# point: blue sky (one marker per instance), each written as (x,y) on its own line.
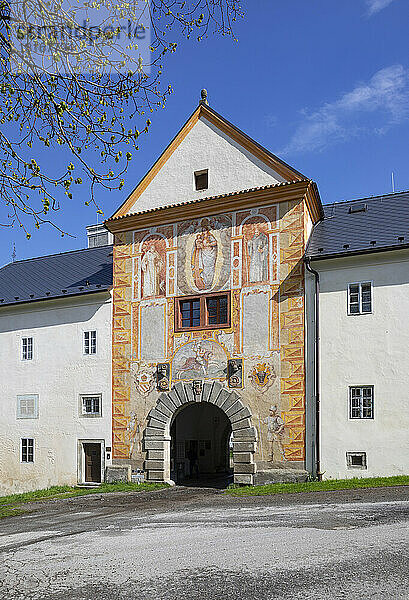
(322,83)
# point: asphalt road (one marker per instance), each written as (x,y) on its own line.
(184,543)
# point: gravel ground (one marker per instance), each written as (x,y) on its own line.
(200,543)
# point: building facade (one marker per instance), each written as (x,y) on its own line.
(208,308)
(55,366)
(236,328)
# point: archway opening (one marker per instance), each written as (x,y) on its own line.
(200,451)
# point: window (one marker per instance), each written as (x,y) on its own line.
(202,312)
(360,298)
(91,406)
(356,460)
(202,180)
(90,342)
(27,348)
(27,450)
(361,402)
(27,406)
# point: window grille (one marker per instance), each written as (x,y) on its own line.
(90,342)
(27,450)
(91,405)
(361,402)
(359,298)
(356,460)
(27,348)
(27,406)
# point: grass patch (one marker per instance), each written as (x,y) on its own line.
(9,504)
(318,486)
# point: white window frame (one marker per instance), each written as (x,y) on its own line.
(85,414)
(88,344)
(361,403)
(22,397)
(349,456)
(360,284)
(27,462)
(26,337)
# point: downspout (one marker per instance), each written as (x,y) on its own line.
(317,366)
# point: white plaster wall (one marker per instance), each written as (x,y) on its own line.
(365,350)
(231,168)
(58,373)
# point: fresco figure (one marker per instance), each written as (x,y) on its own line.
(258,251)
(151,266)
(199,359)
(275,432)
(204,259)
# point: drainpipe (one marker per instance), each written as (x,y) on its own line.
(317,366)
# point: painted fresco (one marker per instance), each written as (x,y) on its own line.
(204,254)
(254,253)
(153,267)
(200,359)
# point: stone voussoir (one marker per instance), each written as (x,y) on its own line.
(157,424)
(154,413)
(243,424)
(222,397)
(153,465)
(244,468)
(153,444)
(180,391)
(244,479)
(242,457)
(241,414)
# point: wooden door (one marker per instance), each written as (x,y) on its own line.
(92,462)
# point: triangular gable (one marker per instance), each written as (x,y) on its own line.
(271,168)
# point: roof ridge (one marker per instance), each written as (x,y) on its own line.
(54,254)
(366,198)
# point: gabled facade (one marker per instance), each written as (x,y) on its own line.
(208,308)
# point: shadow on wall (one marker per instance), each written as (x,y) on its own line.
(49,313)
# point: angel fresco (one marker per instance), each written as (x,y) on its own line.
(152,265)
(204,259)
(257,248)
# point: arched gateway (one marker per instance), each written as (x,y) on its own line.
(157,433)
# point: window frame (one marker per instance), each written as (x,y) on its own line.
(90,345)
(204,325)
(361,403)
(349,456)
(360,284)
(90,414)
(22,339)
(19,414)
(196,175)
(27,439)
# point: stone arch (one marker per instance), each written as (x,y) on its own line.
(157,433)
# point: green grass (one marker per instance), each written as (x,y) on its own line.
(317,486)
(10,505)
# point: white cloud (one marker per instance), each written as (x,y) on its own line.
(372,107)
(375,6)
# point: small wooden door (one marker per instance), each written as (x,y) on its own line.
(92,462)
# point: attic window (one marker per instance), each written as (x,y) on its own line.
(202,180)
(356,208)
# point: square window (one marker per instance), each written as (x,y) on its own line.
(356,460)
(90,342)
(91,406)
(202,180)
(27,348)
(27,450)
(360,298)
(361,402)
(27,406)
(202,312)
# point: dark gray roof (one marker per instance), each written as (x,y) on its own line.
(56,275)
(359,226)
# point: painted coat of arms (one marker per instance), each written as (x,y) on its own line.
(262,376)
(144,378)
